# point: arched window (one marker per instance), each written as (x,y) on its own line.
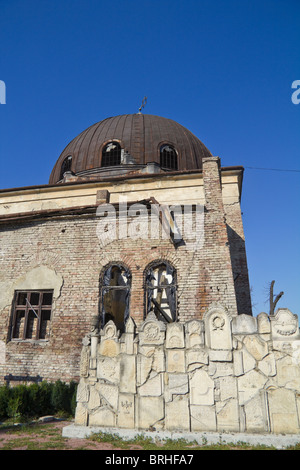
(160,291)
(66,166)
(168,157)
(115,294)
(111,154)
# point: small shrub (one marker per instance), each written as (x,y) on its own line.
(13,408)
(19,400)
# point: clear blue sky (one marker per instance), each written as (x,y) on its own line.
(221,68)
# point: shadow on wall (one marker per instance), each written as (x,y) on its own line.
(238,258)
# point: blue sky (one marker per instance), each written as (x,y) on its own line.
(221,68)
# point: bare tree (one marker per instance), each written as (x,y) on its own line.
(273,302)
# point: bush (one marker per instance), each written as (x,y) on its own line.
(39,402)
(13,408)
(73,400)
(4,399)
(28,401)
(60,397)
(18,402)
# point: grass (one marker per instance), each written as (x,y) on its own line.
(33,437)
(180,444)
(49,437)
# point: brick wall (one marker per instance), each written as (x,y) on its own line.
(69,246)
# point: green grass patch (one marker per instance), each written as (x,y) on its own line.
(146,443)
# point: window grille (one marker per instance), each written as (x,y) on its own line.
(168,157)
(111,154)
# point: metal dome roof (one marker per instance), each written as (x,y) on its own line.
(140,136)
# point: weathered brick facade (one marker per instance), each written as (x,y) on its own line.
(60,249)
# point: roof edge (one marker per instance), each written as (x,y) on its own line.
(118,178)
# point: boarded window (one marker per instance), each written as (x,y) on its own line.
(115,294)
(168,157)
(111,154)
(31,315)
(160,283)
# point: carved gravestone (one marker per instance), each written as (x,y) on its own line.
(108,362)
(127,338)
(244,325)
(126,411)
(218,328)
(108,369)
(109,345)
(194,331)
(152,331)
(263,323)
(84,360)
(175,336)
(284,325)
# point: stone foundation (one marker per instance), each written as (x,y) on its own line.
(219,374)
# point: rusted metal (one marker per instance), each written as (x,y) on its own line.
(141,135)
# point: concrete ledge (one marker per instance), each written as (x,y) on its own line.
(279,441)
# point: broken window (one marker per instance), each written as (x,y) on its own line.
(111,154)
(66,166)
(31,315)
(115,293)
(168,157)
(160,284)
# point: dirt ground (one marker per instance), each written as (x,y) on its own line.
(47,436)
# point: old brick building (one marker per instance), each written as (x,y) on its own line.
(138,216)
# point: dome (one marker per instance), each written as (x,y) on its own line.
(127,143)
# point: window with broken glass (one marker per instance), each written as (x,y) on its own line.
(168,157)
(115,295)
(160,283)
(111,154)
(31,315)
(66,166)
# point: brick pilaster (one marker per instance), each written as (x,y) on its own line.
(217,266)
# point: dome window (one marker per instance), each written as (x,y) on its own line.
(66,166)
(168,157)
(111,154)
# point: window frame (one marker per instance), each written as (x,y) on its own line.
(28,309)
(172,158)
(108,160)
(149,305)
(105,287)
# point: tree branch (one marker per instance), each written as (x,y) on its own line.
(273,302)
